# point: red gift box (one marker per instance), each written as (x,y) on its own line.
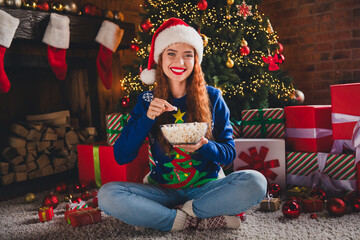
(311,205)
(45,213)
(84,216)
(345,101)
(97,165)
(308,128)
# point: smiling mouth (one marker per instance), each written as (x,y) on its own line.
(178,71)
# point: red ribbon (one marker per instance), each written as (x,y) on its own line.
(257,162)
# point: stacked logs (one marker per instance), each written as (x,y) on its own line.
(46,144)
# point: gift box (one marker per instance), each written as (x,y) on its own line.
(345,101)
(312,205)
(84,216)
(74,206)
(270,204)
(297,192)
(115,122)
(236,125)
(45,214)
(97,165)
(264,155)
(333,173)
(308,128)
(263,123)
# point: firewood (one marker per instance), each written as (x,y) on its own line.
(33,152)
(61,168)
(30,166)
(42,145)
(81,137)
(71,138)
(42,161)
(91,131)
(84,133)
(20,176)
(17,160)
(19,168)
(31,145)
(60,131)
(48,116)
(19,130)
(36,125)
(9,153)
(29,158)
(58,144)
(21,151)
(4,168)
(49,135)
(75,123)
(34,174)
(47,170)
(73,157)
(17,142)
(7,179)
(34,135)
(59,161)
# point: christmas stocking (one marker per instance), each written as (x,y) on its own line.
(57,37)
(8,26)
(109,37)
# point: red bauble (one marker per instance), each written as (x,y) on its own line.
(280,48)
(43,6)
(355,204)
(244,51)
(90,10)
(202,4)
(94,194)
(95,203)
(291,209)
(125,102)
(336,207)
(134,47)
(76,200)
(61,187)
(146,25)
(274,189)
(79,187)
(85,195)
(51,200)
(313,216)
(318,193)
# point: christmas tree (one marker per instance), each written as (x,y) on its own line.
(242,54)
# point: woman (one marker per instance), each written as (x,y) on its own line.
(187,175)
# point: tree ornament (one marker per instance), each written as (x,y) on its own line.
(51,200)
(318,193)
(355,204)
(89,10)
(229,63)
(280,48)
(29,4)
(56,7)
(230,2)
(274,189)
(118,16)
(313,216)
(108,14)
(299,97)
(271,61)
(79,187)
(29,197)
(68,197)
(134,46)
(270,29)
(280,57)
(244,50)
(202,4)
(43,6)
(205,39)
(336,207)
(244,10)
(146,25)
(291,209)
(70,7)
(85,196)
(61,187)
(13,3)
(125,102)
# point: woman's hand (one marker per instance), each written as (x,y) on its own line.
(158,106)
(193,147)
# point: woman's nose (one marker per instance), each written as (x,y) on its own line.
(180,60)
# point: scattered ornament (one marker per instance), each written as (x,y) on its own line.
(291,209)
(244,10)
(274,189)
(318,193)
(51,200)
(202,5)
(85,195)
(313,216)
(336,207)
(299,97)
(29,197)
(355,204)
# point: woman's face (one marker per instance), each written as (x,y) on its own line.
(178,61)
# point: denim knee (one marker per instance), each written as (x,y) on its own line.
(256,182)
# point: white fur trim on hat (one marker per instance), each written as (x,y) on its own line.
(57,33)
(148,76)
(8,26)
(109,35)
(175,34)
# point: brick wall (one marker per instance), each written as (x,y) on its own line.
(321,40)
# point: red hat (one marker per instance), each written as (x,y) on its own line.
(171,31)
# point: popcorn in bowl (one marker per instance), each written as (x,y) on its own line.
(184,133)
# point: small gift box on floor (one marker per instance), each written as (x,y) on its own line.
(312,205)
(45,214)
(83,216)
(263,123)
(270,204)
(74,206)
(115,122)
(308,128)
(264,155)
(297,192)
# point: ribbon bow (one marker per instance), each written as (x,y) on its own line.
(122,121)
(257,162)
(269,197)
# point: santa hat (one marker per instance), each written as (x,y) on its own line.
(171,31)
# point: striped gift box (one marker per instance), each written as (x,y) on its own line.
(236,125)
(331,172)
(115,122)
(263,123)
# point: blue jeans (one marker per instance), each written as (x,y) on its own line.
(151,206)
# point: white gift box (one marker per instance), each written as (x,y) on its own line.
(264,155)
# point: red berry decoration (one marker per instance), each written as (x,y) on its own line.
(202,4)
(146,25)
(85,195)
(355,204)
(79,187)
(95,203)
(318,193)
(274,189)
(61,187)
(125,102)
(313,216)
(336,207)
(51,200)
(291,209)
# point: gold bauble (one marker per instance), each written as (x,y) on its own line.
(205,39)
(71,7)
(149,48)
(244,42)
(230,2)
(68,197)
(56,6)
(28,4)
(299,97)
(13,3)
(229,63)
(29,197)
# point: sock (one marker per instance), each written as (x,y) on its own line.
(103,63)
(57,61)
(4,81)
(179,222)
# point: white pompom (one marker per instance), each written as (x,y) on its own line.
(148,76)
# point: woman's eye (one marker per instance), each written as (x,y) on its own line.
(171,54)
(189,56)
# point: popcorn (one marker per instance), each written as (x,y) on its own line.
(184,133)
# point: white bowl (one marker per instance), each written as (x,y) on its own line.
(184,133)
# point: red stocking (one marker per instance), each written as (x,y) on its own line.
(4,81)
(103,63)
(57,61)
